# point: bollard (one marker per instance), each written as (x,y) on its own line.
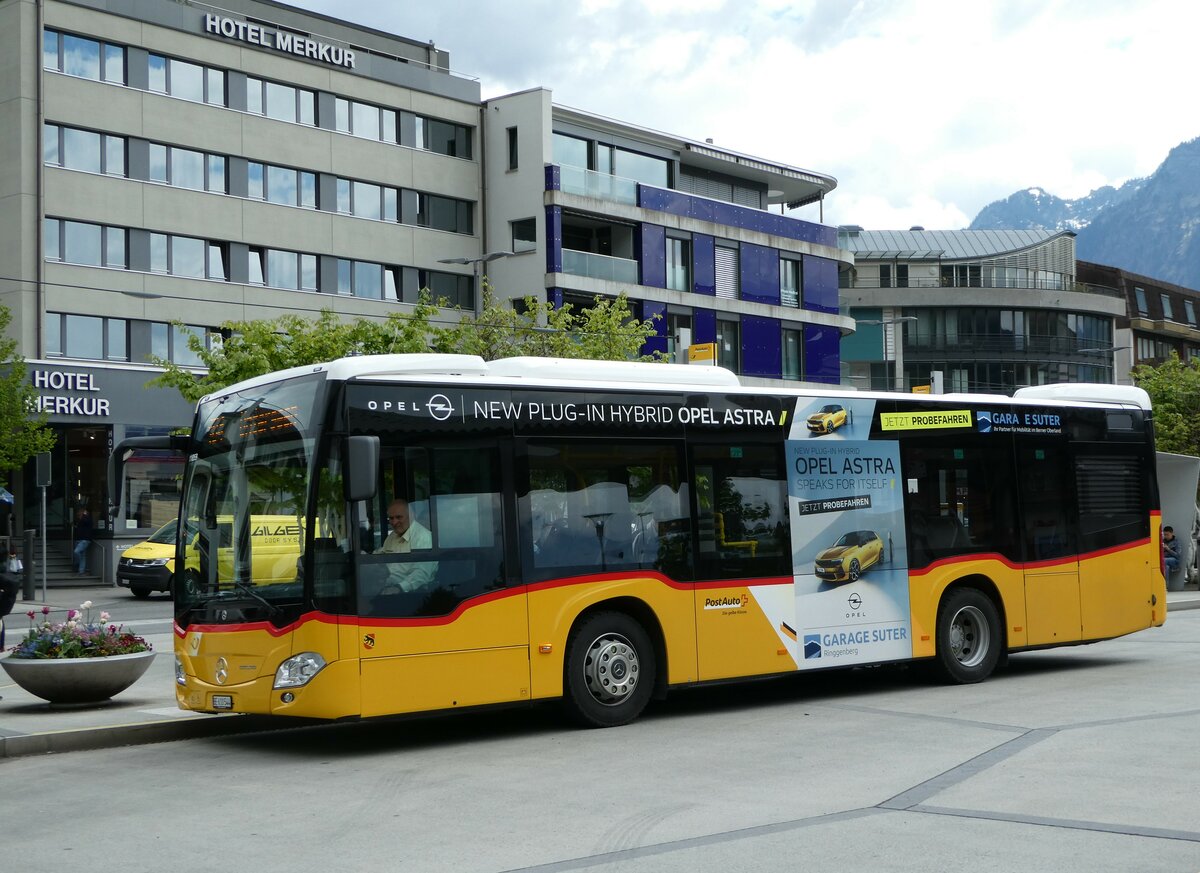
(27,560)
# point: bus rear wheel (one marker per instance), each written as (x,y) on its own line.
(969,636)
(610,670)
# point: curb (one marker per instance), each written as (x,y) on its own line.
(114,736)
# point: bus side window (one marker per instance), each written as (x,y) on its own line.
(743,523)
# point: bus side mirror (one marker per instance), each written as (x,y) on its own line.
(362,466)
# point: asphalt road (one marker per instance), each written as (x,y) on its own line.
(1074,759)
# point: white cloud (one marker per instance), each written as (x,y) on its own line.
(924,110)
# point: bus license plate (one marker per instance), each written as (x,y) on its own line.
(222,701)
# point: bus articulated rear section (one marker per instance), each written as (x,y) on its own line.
(463,534)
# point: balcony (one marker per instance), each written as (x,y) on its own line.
(976,346)
(984,282)
(601,186)
(591,266)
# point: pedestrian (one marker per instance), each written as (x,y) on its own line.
(15,565)
(1170,549)
(83,540)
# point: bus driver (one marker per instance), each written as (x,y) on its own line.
(407,536)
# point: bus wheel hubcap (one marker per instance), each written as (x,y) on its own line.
(969,640)
(611,669)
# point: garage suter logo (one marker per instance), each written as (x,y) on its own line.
(439,407)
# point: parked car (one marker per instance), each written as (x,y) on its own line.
(150,565)
(846,559)
(827,419)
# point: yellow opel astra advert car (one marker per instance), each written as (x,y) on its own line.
(846,559)
(827,419)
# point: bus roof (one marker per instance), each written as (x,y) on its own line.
(563,372)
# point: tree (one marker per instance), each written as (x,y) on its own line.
(604,331)
(1174,389)
(23,431)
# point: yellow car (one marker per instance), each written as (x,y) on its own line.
(150,565)
(827,419)
(846,559)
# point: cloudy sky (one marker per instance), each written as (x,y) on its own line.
(924,111)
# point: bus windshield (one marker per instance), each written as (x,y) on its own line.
(245,499)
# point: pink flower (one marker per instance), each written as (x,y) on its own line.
(71,614)
(30,614)
(45,610)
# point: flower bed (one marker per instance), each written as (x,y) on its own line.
(76,637)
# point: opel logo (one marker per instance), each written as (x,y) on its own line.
(222,671)
(439,406)
(854,600)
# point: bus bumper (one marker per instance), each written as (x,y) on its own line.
(332,693)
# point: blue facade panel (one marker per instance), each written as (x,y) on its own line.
(704,326)
(657,312)
(759,274)
(554,296)
(704,265)
(820,284)
(553,178)
(704,209)
(761,351)
(652,255)
(821,357)
(553,239)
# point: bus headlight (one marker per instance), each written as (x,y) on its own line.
(298,670)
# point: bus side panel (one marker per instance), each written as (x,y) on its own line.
(1120,591)
(475,656)
(927,587)
(553,608)
(745,630)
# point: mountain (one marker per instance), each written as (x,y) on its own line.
(1148,226)
(1035,208)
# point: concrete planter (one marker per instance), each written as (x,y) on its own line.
(77,680)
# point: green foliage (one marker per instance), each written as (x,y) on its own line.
(605,331)
(23,432)
(1174,389)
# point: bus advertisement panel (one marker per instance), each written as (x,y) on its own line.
(849,558)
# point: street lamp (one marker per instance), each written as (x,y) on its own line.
(896,342)
(476,270)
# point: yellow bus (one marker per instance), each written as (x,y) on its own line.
(478,533)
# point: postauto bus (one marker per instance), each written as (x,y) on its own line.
(604,533)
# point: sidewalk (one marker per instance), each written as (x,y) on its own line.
(146,712)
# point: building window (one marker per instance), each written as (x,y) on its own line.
(679,264)
(86,58)
(524,235)
(896,275)
(187,81)
(184,168)
(89,245)
(512,148)
(1140,300)
(87,336)
(1168,313)
(442,213)
(364,120)
(366,279)
(281,102)
(447,289)
(789,282)
(728,345)
(74,149)
(970,276)
(277,268)
(1189,311)
(366,200)
(727,276)
(793,354)
(170,342)
(187,257)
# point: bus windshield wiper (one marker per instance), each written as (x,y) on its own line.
(272,609)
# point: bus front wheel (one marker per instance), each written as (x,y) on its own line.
(969,636)
(609,670)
